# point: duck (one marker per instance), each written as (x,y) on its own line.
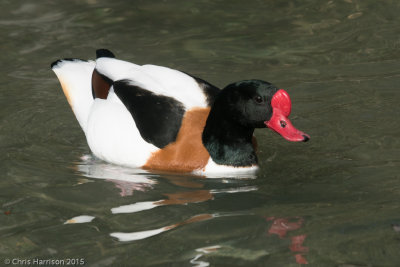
(157,118)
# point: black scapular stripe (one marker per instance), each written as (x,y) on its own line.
(157,117)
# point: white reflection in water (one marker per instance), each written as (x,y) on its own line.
(145,234)
(80,219)
(95,168)
(179,198)
(199,263)
(125,179)
(228,251)
(129,180)
(205,250)
(148,233)
(138,235)
(139,206)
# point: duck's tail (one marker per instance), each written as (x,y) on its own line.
(75,77)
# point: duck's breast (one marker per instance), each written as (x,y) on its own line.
(187,153)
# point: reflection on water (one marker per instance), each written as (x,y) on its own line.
(148,233)
(202,251)
(180,198)
(129,180)
(225,250)
(80,219)
(332,202)
(281,226)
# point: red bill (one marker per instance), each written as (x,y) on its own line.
(280,123)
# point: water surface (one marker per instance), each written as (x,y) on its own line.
(333,201)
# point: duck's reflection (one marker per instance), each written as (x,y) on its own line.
(145,234)
(172,199)
(281,226)
(202,252)
(128,180)
(180,198)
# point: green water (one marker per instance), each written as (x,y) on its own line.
(328,202)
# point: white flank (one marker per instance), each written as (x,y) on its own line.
(80,219)
(112,134)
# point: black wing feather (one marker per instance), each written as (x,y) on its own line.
(157,117)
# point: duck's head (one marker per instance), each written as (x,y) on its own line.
(259,104)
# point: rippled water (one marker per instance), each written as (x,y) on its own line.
(333,201)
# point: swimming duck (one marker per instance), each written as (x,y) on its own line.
(159,118)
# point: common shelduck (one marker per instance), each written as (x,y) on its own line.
(159,118)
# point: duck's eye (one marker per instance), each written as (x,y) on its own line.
(258,99)
(283,124)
